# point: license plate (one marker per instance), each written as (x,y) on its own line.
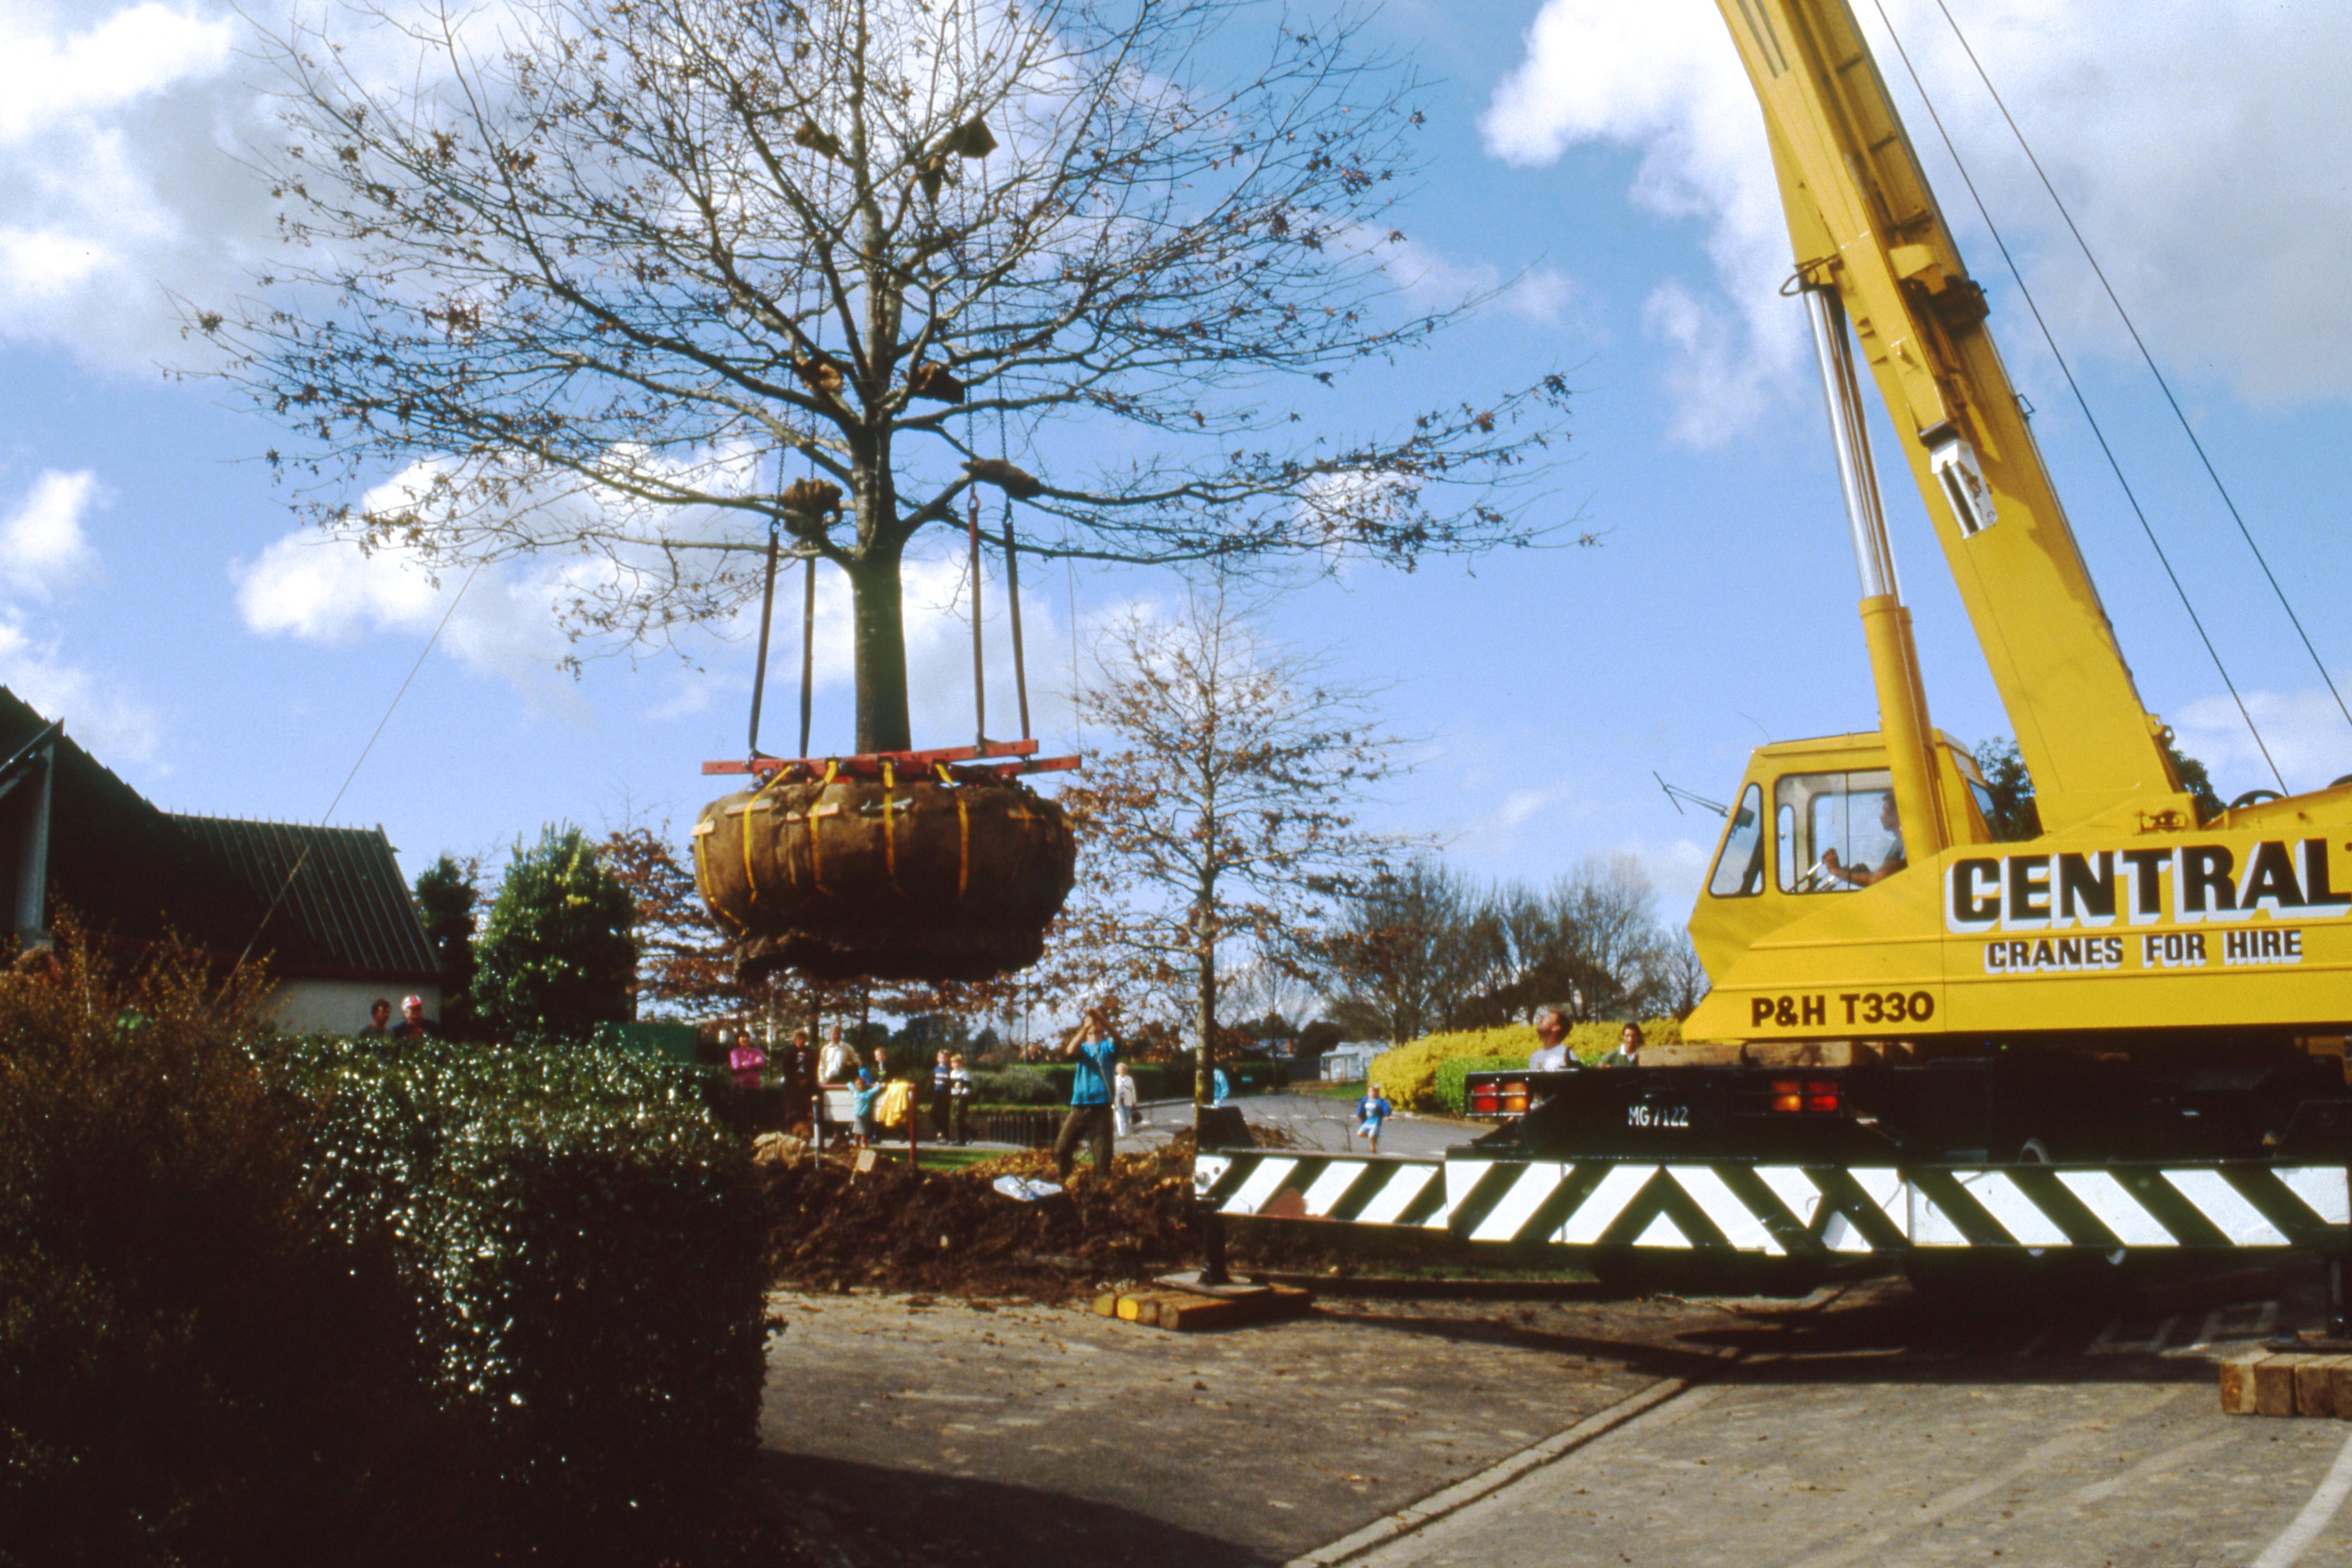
(1647,1115)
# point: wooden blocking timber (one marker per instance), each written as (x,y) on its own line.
(1107,1304)
(2275,1383)
(2316,1385)
(2237,1379)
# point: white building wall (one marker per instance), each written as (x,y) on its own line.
(341,1007)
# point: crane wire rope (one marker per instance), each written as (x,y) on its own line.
(2149,358)
(2081,401)
(374,736)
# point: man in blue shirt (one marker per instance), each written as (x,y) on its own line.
(1096,1052)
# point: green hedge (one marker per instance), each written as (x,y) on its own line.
(1048,1083)
(584,1246)
(1453,1078)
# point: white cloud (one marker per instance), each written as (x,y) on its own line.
(42,547)
(44,552)
(1665,80)
(2161,120)
(1429,280)
(113,726)
(2305,730)
(317,589)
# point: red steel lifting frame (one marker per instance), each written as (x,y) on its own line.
(868,764)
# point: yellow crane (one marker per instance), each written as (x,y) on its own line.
(2129,921)
(2120,1041)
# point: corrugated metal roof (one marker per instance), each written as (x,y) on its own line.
(345,906)
(139,875)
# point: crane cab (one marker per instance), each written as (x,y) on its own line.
(1815,821)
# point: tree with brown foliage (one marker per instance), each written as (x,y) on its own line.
(578,278)
(1221,821)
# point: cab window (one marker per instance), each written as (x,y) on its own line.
(1851,813)
(1739,864)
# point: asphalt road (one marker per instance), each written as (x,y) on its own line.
(2119,1457)
(1859,1427)
(1317,1123)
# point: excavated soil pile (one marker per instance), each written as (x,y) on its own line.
(897,1229)
(891,1228)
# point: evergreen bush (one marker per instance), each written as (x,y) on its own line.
(340,1302)
(583,1244)
(194,1367)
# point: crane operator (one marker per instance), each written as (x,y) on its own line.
(1863,875)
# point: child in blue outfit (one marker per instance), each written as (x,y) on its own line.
(1090,1101)
(862,1107)
(1371,1112)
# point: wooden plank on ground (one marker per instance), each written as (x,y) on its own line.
(1107,1304)
(2275,1383)
(2314,1385)
(2237,1382)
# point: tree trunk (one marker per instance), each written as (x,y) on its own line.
(1204,1022)
(879,639)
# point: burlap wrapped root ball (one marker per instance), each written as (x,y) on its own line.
(916,880)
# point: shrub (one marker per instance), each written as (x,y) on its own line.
(556,957)
(323,1302)
(1018,1086)
(1452,1084)
(584,1246)
(194,1368)
(1409,1072)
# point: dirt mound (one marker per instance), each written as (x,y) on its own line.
(899,1229)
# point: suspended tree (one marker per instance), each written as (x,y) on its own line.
(581,280)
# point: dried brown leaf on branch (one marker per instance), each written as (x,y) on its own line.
(667,237)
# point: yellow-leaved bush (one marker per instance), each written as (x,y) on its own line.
(1408,1074)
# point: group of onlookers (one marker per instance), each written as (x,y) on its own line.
(413,1025)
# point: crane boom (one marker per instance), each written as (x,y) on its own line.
(1864,225)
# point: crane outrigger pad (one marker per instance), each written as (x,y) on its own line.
(1798,1211)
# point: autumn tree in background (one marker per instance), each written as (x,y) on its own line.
(1423,948)
(1403,955)
(1219,818)
(682,961)
(576,280)
(449,900)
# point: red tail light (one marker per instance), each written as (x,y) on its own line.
(1483,1099)
(1806,1096)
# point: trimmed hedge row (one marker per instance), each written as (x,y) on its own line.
(582,1241)
(1409,1072)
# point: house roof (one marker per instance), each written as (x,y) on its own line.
(139,875)
(344,909)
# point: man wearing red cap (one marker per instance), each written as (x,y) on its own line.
(412,1024)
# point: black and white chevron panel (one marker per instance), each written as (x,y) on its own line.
(1792,1210)
(1271,1185)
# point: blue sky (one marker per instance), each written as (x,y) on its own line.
(154,592)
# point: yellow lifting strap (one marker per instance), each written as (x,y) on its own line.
(703,830)
(816,860)
(889,825)
(964,831)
